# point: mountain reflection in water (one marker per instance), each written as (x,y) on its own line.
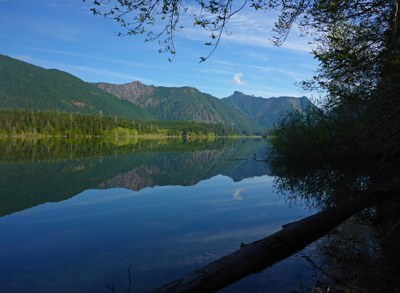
(74,215)
(68,226)
(55,170)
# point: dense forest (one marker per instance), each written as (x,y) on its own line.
(20,123)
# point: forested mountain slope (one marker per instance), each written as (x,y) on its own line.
(25,86)
(181,103)
(267,111)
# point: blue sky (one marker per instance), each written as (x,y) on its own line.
(65,35)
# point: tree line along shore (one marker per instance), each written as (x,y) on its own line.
(24,124)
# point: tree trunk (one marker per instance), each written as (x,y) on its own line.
(293,237)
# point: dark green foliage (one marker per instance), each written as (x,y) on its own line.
(25,86)
(300,136)
(339,134)
(320,158)
(358,51)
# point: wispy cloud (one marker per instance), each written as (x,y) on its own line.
(256,40)
(108,73)
(284,71)
(250,29)
(221,66)
(91,56)
(255,29)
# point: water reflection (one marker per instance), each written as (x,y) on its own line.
(320,184)
(180,207)
(32,173)
(166,208)
(358,255)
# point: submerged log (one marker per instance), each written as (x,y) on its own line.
(254,257)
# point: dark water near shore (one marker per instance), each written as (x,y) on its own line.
(75,216)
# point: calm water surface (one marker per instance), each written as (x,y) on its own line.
(77,221)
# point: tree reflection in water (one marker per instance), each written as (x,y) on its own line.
(361,255)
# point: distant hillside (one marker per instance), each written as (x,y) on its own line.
(25,86)
(183,103)
(267,111)
(188,103)
(29,87)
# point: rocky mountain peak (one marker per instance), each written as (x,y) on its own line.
(131,91)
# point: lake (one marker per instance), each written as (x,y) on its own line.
(75,216)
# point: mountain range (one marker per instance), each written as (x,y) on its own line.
(266,112)
(183,103)
(29,87)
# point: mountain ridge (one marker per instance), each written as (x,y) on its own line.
(267,111)
(30,87)
(180,103)
(259,111)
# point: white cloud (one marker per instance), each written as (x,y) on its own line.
(237,78)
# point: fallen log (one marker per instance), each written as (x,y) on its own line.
(256,256)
